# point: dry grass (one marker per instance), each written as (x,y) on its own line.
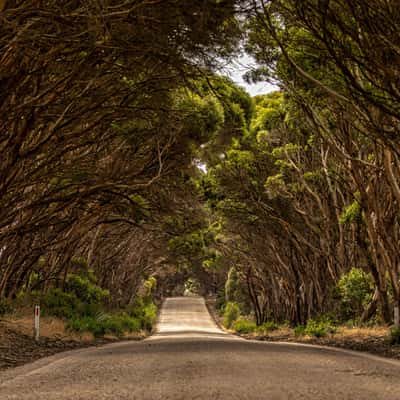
(55,328)
(342,333)
(359,332)
(281,331)
(50,327)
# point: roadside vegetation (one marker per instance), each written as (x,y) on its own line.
(84,306)
(126,158)
(342,327)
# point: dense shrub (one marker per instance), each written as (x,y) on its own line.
(86,324)
(144,312)
(355,291)
(136,309)
(300,330)
(266,327)
(85,289)
(130,324)
(103,324)
(319,328)
(82,305)
(138,317)
(394,337)
(61,304)
(150,316)
(244,326)
(231,313)
(80,298)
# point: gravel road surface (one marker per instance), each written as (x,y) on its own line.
(189,358)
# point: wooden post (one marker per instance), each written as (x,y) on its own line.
(37,322)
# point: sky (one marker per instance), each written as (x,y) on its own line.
(236,70)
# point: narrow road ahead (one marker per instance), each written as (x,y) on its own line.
(190,358)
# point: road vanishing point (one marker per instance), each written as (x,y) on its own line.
(190,358)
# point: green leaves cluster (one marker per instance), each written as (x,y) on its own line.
(355,289)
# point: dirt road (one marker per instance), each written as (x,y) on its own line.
(190,358)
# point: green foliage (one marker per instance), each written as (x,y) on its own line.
(235,290)
(232,285)
(236,106)
(212,263)
(207,186)
(143,311)
(352,213)
(231,314)
(82,304)
(238,159)
(274,184)
(192,286)
(85,324)
(300,330)
(189,244)
(269,112)
(267,327)
(319,328)
(312,176)
(244,326)
(355,290)
(149,316)
(85,290)
(61,304)
(81,297)
(262,137)
(288,148)
(103,324)
(150,285)
(203,115)
(118,324)
(394,337)
(5,307)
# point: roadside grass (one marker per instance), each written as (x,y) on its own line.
(324,331)
(341,335)
(347,335)
(80,314)
(50,327)
(244,326)
(84,307)
(341,332)
(360,332)
(85,329)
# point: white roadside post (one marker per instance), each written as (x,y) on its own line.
(37,322)
(396,316)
